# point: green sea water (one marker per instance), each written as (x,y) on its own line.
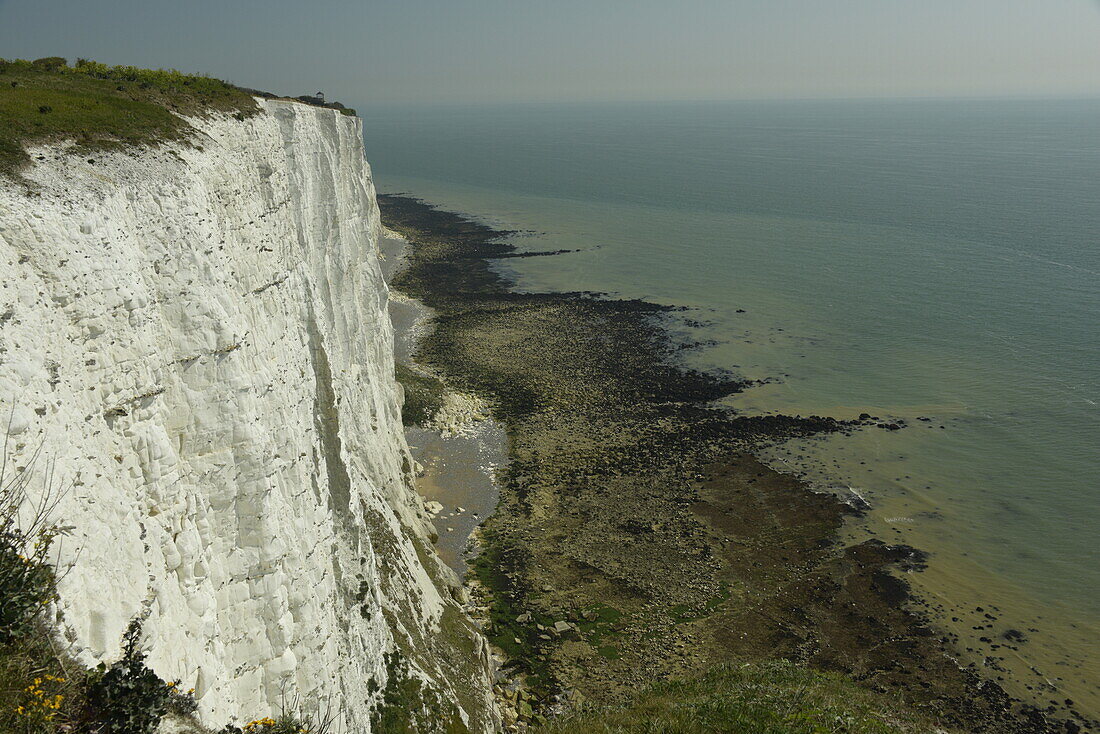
(909,259)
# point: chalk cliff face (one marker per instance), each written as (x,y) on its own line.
(195,336)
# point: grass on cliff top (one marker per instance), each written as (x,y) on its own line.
(99,106)
(769,698)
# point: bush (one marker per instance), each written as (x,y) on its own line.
(410,706)
(27,580)
(285,724)
(50,63)
(26,586)
(268,725)
(37,694)
(128,698)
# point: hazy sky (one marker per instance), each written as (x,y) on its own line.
(380,51)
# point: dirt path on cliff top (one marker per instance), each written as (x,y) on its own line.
(637,514)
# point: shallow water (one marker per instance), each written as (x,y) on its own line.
(907,259)
(459,473)
(457,470)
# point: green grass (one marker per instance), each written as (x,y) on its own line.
(682,613)
(40,690)
(98,106)
(411,706)
(769,698)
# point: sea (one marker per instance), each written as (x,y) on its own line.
(934,263)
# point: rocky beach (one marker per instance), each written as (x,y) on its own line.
(637,537)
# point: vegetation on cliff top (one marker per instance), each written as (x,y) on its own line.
(99,106)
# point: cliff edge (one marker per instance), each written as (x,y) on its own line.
(194,335)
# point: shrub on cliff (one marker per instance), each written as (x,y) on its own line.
(127,697)
(38,693)
(285,723)
(42,690)
(50,63)
(410,706)
(27,581)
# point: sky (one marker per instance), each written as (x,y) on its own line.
(423,51)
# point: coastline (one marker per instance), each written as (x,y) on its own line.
(635,513)
(456,461)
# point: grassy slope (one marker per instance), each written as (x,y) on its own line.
(769,698)
(97,106)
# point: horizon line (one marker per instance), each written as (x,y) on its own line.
(977,97)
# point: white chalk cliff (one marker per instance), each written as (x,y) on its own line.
(195,336)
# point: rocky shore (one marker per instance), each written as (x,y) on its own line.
(637,538)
